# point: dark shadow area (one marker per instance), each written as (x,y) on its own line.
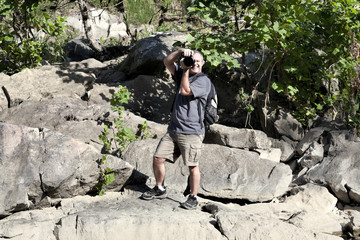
(241,202)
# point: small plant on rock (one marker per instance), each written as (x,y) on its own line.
(123,136)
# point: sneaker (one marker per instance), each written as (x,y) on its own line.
(191,203)
(154,193)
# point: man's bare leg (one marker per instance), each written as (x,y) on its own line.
(159,170)
(159,190)
(194,179)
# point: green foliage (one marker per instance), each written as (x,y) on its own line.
(105,179)
(123,136)
(308,44)
(28,36)
(140,11)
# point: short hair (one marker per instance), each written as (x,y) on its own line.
(196,51)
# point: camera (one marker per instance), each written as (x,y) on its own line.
(188,61)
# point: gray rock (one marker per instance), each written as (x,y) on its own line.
(85,217)
(152,97)
(66,80)
(147,56)
(310,137)
(240,174)
(287,149)
(36,163)
(225,172)
(69,116)
(241,225)
(111,216)
(104,25)
(287,125)
(237,137)
(313,155)
(312,197)
(340,172)
(77,50)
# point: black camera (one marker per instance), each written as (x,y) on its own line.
(188,61)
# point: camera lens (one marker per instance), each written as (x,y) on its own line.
(189,61)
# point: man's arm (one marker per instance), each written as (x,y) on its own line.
(170,64)
(170,60)
(185,89)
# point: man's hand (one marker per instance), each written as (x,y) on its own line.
(186,53)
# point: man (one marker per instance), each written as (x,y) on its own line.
(186,128)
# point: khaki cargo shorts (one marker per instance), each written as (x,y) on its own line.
(172,145)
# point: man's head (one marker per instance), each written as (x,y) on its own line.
(199,62)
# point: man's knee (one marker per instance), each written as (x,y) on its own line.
(194,169)
(158,160)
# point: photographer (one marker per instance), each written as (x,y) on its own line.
(186,129)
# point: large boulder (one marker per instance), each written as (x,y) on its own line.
(151,97)
(241,225)
(85,217)
(113,215)
(146,57)
(237,137)
(75,79)
(308,213)
(225,172)
(69,116)
(37,163)
(75,118)
(340,172)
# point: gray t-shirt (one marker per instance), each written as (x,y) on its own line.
(186,117)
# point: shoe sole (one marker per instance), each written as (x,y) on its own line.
(183,205)
(154,197)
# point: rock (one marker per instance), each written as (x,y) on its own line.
(66,80)
(312,197)
(225,172)
(287,149)
(241,225)
(340,172)
(235,173)
(151,97)
(237,137)
(313,155)
(287,125)
(75,118)
(317,222)
(272,154)
(310,137)
(104,26)
(85,217)
(36,162)
(146,57)
(307,214)
(69,116)
(77,50)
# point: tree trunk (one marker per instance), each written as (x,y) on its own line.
(95,45)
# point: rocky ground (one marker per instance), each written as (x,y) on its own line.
(302,185)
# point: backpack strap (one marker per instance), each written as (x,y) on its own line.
(199,102)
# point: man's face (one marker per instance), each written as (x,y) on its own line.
(199,62)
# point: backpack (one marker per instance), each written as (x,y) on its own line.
(211,113)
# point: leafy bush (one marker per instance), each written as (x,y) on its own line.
(308,44)
(28,36)
(123,136)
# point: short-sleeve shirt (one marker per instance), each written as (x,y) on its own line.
(186,116)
